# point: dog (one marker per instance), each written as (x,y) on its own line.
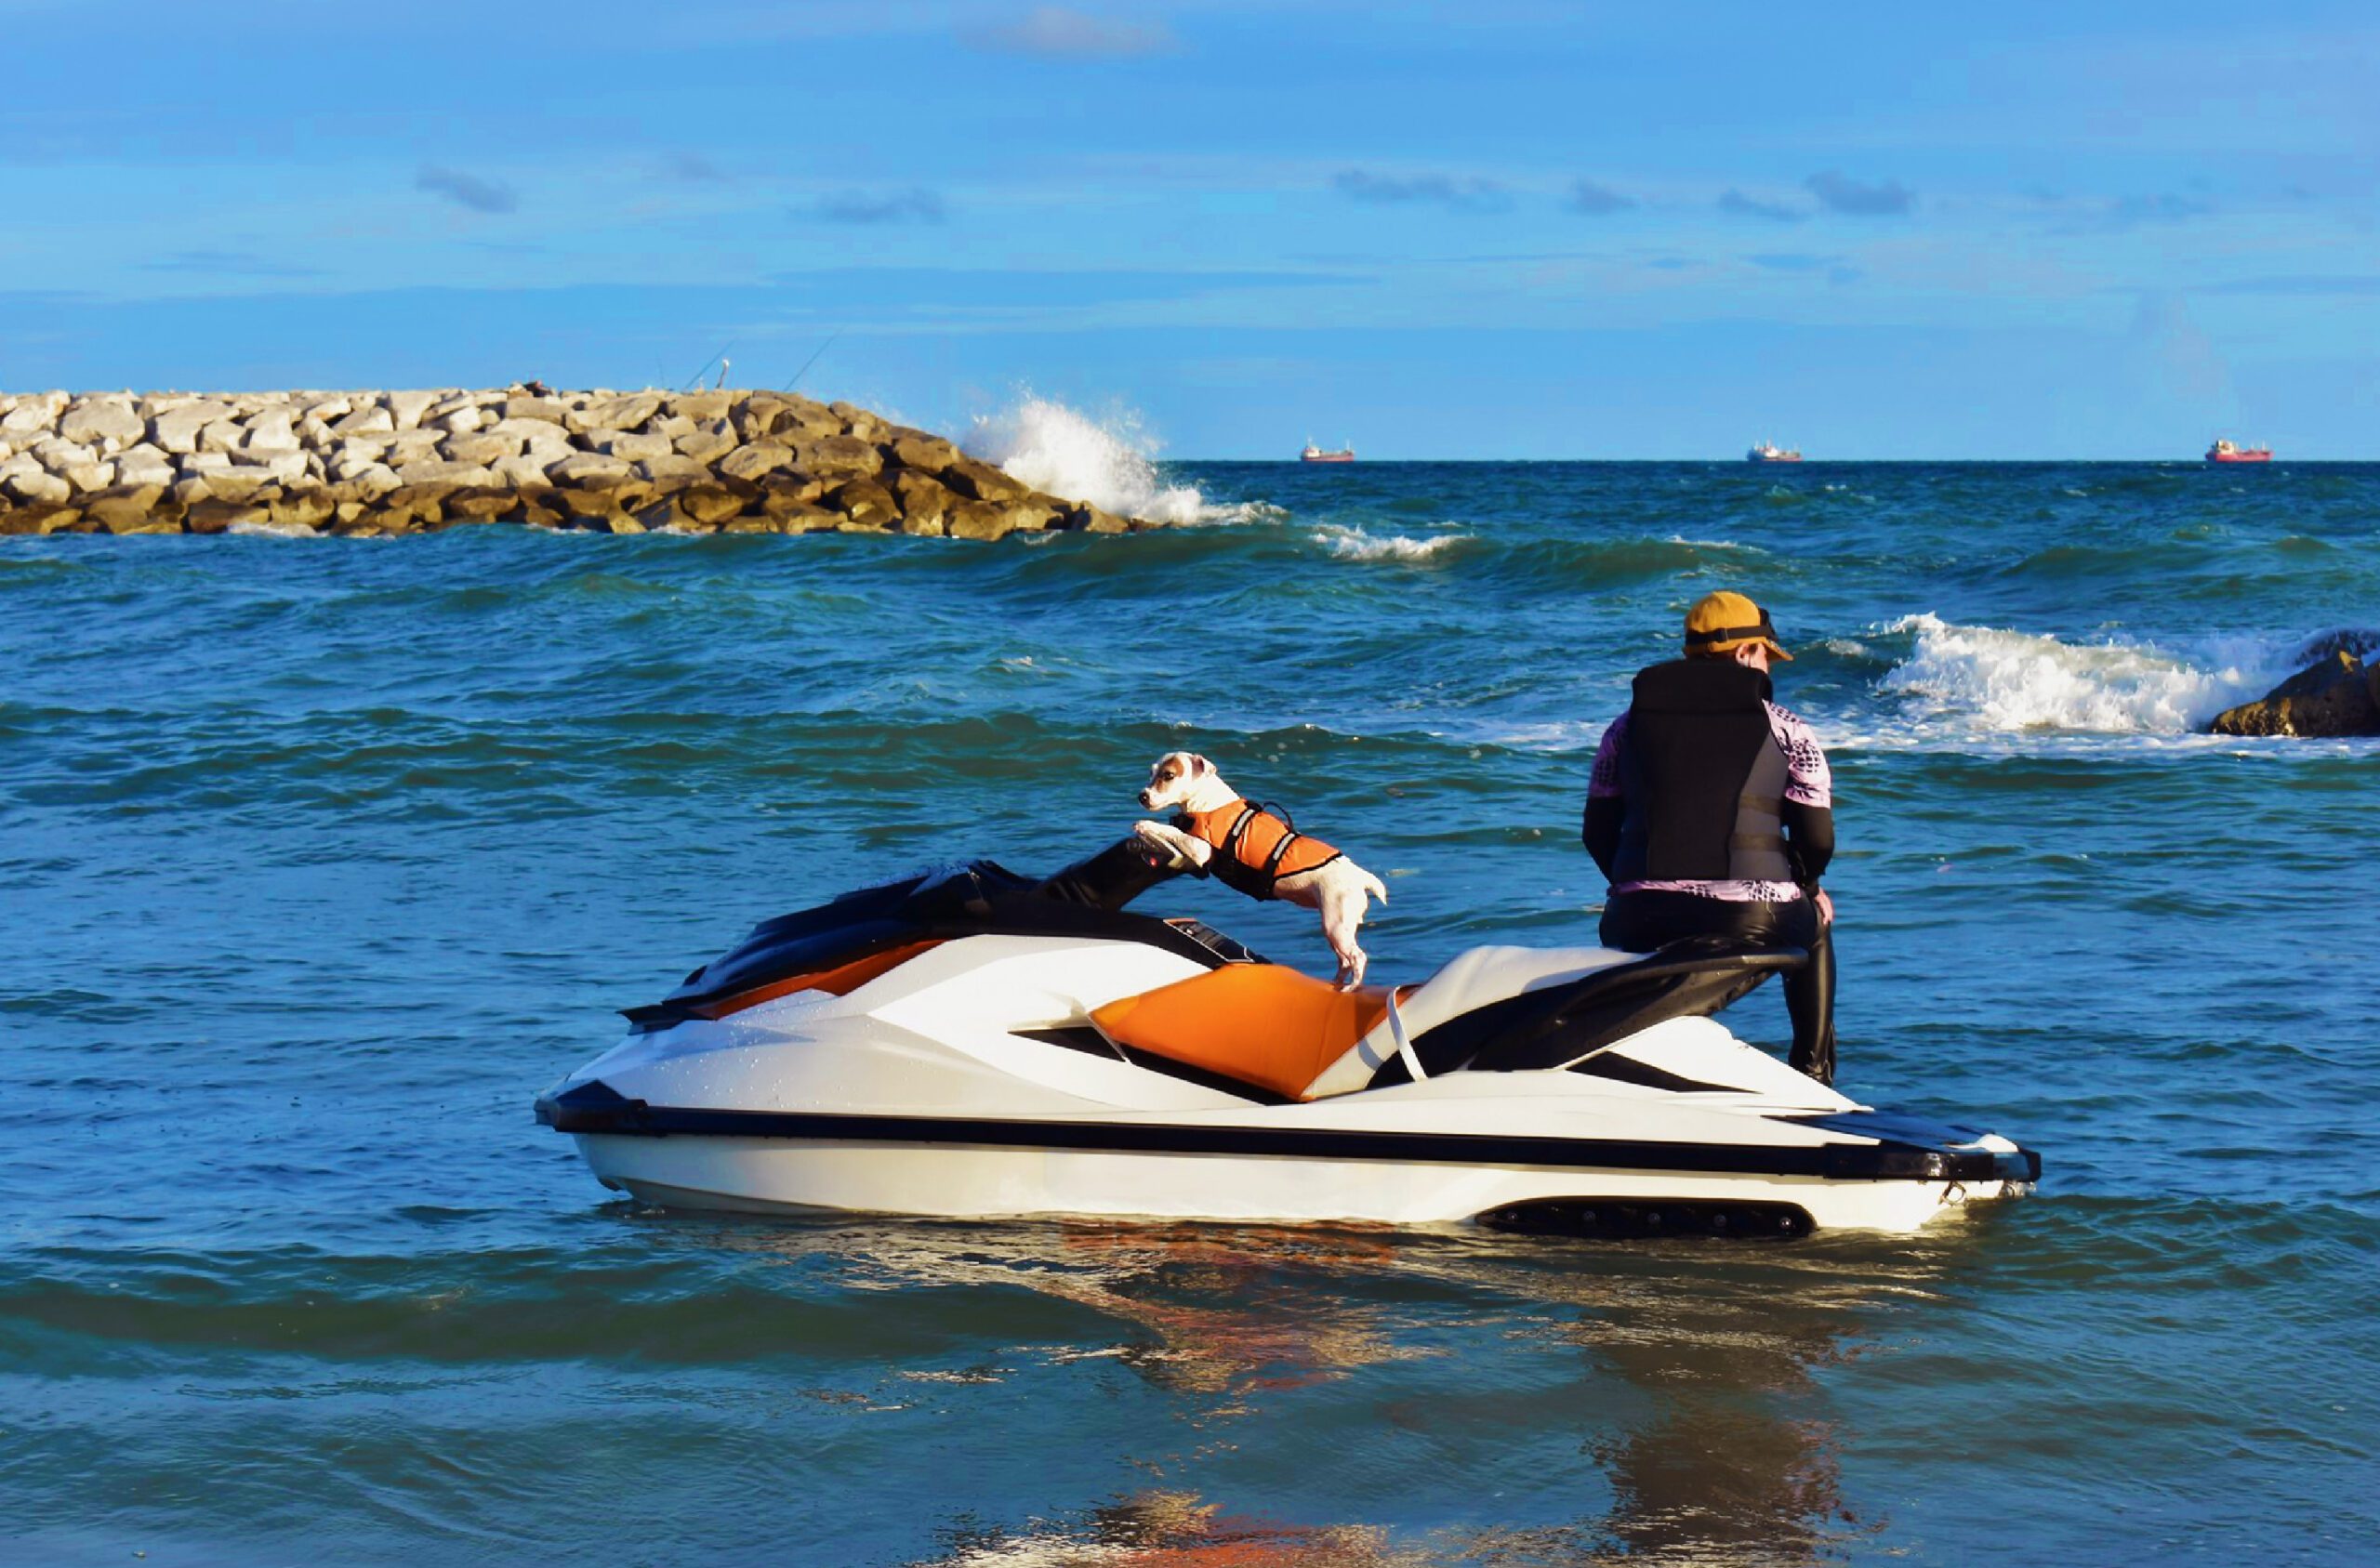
(1257,851)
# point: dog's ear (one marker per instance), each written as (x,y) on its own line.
(1199,765)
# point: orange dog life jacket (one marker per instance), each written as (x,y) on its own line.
(1255,847)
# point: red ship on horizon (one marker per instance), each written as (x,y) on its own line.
(2225,451)
(1313,453)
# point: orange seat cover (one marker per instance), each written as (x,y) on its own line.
(1264,1024)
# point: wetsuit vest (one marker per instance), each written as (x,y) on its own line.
(1703,778)
(1254,848)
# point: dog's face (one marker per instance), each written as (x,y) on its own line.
(1175,775)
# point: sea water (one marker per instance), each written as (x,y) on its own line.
(322,858)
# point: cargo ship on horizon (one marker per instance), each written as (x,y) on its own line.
(1769,451)
(1313,453)
(2225,451)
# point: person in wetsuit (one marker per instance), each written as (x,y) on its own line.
(1711,812)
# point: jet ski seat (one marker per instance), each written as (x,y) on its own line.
(1266,1025)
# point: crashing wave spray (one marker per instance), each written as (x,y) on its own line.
(2018,680)
(1051,447)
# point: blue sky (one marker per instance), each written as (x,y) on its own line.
(1488,230)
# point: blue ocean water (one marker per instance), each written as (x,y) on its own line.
(320,858)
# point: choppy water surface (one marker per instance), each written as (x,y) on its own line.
(320,858)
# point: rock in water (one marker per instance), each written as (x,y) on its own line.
(2339,696)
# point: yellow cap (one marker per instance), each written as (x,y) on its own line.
(1723,621)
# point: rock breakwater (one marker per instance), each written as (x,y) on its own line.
(383,463)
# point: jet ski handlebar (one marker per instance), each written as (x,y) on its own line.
(1109,880)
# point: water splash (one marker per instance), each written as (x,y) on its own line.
(2008,681)
(1111,464)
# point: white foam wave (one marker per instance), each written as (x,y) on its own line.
(1110,462)
(272,530)
(1982,676)
(1354,543)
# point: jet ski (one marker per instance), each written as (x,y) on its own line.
(974,1043)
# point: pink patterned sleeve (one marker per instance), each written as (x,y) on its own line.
(1809,781)
(1604,782)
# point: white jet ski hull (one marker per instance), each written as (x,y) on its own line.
(869,1057)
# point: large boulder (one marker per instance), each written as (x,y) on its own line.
(218,517)
(99,421)
(1093,520)
(39,517)
(242,481)
(308,509)
(2337,695)
(709,504)
(860,422)
(996,519)
(614,413)
(270,431)
(364,485)
(436,471)
(843,457)
(925,501)
(979,481)
(632,445)
(708,444)
(29,482)
(751,462)
(700,407)
(522,474)
(141,510)
(405,409)
(31,416)
(482,448)
(541,439)
(590,468)
(769,415)
(670,473)
(786,494)
(90,479)
(143,464)
(915,449)
(372,419)
(57,454)
(866,503)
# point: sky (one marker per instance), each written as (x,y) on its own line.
(1498,229)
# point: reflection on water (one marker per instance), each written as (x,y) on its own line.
(1678,1381)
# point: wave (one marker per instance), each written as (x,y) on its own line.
(1110,464)
(2011,680)
(1354,543)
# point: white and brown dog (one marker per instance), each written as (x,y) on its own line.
(1256,852)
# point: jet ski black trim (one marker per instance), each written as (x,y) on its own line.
(1637,1219)
(1628,1070)
(596,1107)
(1075,1037)
(1564,1025)
(1091,1042)
(1925,1139)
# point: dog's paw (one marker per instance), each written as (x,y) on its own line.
(1159,842)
